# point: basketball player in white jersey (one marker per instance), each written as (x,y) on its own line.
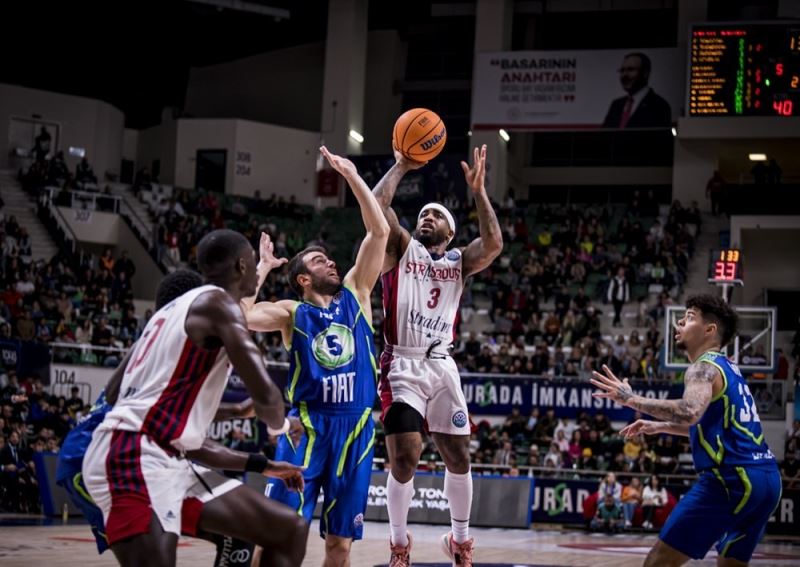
(135,468)
(422,285)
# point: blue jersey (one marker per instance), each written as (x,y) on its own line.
(729,434)
(332,363)
(70,457)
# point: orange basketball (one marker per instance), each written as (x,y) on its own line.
(419,134)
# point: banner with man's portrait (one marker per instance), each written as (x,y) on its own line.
(572,90)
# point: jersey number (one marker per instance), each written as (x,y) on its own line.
(334,346)
(748,412)
(434,300)
(147,340)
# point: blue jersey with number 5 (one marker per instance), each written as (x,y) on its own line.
(332,362)
(729,433)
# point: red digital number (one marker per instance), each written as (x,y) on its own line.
(724,270)
(783,107)
(779,69)
(152,333)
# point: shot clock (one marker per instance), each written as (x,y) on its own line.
(744,70)
(725,266)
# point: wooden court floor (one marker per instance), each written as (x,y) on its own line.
(34,546)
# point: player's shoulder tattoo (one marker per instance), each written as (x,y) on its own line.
(701,371)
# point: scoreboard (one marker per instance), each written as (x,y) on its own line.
(744,70)
(725,266)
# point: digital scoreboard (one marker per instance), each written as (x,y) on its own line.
(744,70)
(725,266)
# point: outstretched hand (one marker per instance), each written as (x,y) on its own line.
(476,174)
(611,387)
(292,475)
(406,163)
(341,164)
(266,253)
(641,427)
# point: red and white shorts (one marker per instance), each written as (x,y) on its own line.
(130,477)
(430,385)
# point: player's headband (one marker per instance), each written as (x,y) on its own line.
(451,222)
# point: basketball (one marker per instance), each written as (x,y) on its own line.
(419,134)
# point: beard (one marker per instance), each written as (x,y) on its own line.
(431,238)
(325,285)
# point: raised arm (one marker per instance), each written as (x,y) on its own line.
(482,251)
(369,262)
(215,317)
(384,193)
(266,263)
(697,393)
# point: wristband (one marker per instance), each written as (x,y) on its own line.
(281,431)
(256,462)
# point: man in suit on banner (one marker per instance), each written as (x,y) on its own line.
(641,107)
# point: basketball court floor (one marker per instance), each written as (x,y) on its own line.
(72,544)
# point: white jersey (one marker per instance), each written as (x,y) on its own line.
(172,387)
(421,297)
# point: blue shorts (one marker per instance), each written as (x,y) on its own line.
(729,508)
(337,453)
(74,486)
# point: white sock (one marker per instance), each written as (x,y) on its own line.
(398,501)
(458,489)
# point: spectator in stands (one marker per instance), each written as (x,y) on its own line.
(618,294)
(654,496)
(84,173)
(790,470)
(631,499)
(106,261)
(42,143)
(85,332)
(74,404)
(26,328)
(18,475)
(610,487)
(609,516)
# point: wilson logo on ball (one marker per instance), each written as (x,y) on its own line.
(428,144)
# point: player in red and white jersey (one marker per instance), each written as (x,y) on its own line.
(422,286)
(135,468)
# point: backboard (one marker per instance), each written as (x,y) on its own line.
(753,348)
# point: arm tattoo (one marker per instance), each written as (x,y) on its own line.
(480,253)
(487,220)
(697,393)
(384,190)
(625,392)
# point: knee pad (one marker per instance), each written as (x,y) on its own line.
(402,418)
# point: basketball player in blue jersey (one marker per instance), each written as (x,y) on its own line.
(333,373)
(73,449)
(739,485)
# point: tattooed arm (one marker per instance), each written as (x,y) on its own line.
(697,393)
(384,192)
(480,253)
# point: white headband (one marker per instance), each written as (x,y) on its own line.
(442,209)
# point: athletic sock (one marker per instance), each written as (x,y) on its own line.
(458,489)
(398,500)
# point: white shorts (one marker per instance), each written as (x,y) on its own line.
(431,386)
(130,477)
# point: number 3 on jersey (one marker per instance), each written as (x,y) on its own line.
(434,300)
(748,412)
